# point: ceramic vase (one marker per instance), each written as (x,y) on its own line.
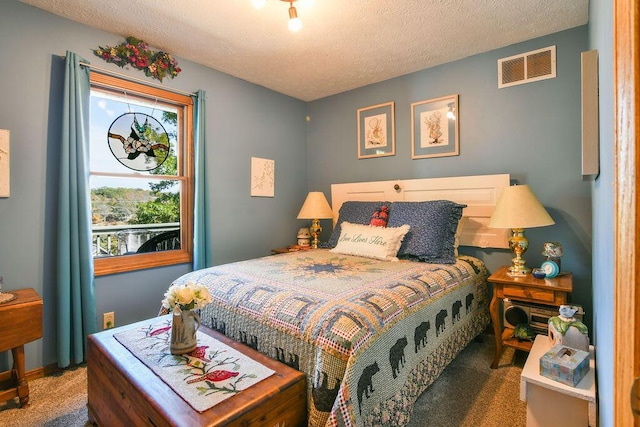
(183,332)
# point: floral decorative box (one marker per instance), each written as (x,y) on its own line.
(565,364)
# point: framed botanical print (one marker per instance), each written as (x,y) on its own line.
(376,131)
(263,177)
(434,128)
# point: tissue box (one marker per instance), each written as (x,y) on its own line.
(565,364)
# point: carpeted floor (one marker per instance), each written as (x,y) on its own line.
(54,401)
(468,393)
(471,394)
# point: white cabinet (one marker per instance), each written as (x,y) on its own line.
(551,403)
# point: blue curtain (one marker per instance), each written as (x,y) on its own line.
(76,306)
(200,229)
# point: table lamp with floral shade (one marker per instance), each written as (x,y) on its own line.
(315,208)
(518,208)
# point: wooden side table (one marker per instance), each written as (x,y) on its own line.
(550,402)
(284,250)
(20,323)
(551,292)
(287,249)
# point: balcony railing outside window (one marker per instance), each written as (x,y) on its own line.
(113,240)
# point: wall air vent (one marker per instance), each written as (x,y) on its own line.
(527,67)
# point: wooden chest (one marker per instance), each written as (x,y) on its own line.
(122,391)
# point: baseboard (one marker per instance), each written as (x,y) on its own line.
(6,377)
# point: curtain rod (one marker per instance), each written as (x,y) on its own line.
(124,76)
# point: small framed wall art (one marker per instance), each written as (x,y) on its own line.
(4,163)
(434,128)
(263,177)
(376,131)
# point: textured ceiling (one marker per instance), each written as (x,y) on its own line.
(343,44)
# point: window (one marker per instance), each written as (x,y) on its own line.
(141,162)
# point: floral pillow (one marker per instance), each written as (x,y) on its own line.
(370,241)
(433,229)
(355,213)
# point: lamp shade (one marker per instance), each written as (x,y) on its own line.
(518,207)
(315,207)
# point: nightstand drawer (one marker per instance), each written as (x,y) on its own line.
(528,293)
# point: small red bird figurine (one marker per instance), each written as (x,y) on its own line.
(214,376)
(200,353)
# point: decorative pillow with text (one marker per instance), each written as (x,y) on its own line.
(370,241)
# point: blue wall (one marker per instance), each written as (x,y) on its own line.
(243,121)
(531,131)
(601,38)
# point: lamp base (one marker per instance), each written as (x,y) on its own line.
(315,230)
(519,245)
(517,271)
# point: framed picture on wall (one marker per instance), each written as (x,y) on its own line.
(376,131)
(434,128)
(263,177)
(4,163)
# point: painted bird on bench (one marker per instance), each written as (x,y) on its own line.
(213,376)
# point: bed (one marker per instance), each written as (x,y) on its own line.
(371,328)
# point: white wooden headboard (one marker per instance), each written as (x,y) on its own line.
(480,193)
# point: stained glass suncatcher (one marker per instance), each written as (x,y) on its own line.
(138,141)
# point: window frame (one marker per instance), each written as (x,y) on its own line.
(125,263)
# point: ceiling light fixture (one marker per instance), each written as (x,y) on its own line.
(295,24)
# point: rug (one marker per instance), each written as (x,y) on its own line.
(213,372)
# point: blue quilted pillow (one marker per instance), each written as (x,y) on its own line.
(433,229)
(355,213)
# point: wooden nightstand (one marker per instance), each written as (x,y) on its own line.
(287,249)
(20,323)
(551,292)
(284,250)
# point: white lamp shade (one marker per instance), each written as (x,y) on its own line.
(518,207)
(315,207)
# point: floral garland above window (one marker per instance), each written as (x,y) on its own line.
(136,53)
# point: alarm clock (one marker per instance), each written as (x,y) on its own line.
(550,268)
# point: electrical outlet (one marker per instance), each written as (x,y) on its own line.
(108,320)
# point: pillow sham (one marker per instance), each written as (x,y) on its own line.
(433,228)
(370,241)
(355,213)
(456,241)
